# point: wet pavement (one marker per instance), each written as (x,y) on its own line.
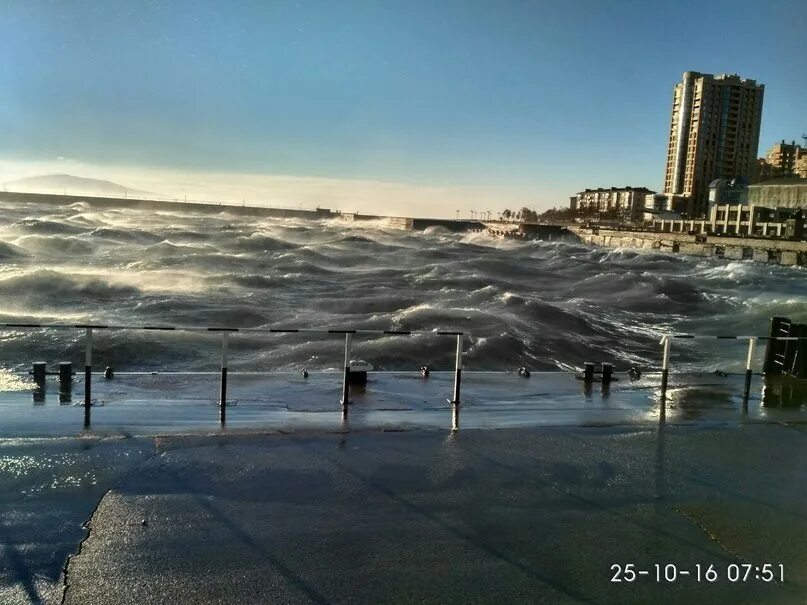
(178,403)
(561,485)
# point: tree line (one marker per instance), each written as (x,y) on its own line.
(557,214)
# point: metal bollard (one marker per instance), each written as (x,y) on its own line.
(65,381)
(607,371)
(588,372)
(346,385)
(40,372)
(87,378)
(457,372)
(665,365)
(223,392)
(752,342)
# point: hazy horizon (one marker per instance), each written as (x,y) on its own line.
(395,109)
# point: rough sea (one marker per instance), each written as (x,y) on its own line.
(541,304)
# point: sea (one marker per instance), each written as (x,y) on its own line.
(542,304)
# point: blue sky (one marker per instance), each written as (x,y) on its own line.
(539,98)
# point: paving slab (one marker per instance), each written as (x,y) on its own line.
(514,515)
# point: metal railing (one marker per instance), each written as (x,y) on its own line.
(225,334)
(666,340)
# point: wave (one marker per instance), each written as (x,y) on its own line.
(47,288)
(545,304)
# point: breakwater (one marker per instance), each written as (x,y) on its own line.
(769,250)
(395,222)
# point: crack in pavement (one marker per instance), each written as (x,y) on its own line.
(87,525)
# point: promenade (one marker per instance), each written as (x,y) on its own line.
(393,506)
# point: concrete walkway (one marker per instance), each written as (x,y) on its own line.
(512,515)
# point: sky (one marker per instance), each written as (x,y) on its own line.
(377,106)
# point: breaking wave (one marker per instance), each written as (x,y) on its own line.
(544,304)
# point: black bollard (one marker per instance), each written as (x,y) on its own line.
(588,373)
(65,381)
(607,371)
(39,372)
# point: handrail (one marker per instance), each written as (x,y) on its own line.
(225,332)
(60,326)
(752,341)
(724,337)
(348,334)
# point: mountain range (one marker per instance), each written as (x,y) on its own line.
(72,185)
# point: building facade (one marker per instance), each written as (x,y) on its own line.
(714,134)
(625,202)
(800,165)
(779,193)
(740,220)
(663,205)
(783,160)
(724,191)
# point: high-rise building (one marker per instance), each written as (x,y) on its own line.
(714,134)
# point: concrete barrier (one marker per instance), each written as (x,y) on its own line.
(767,250)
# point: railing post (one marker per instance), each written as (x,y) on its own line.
(457,372)
(87,378)
(665,365)
(346,384)
(223,392)
(752,342)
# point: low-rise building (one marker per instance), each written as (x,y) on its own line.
(625,202)
(779,193)
(667,206)
(740,220)
(725,191)
(783,160)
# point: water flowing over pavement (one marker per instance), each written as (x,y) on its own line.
(294,502)
(511,515)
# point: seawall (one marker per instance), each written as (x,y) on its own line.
(394,222)
(164,205)
(777,251)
